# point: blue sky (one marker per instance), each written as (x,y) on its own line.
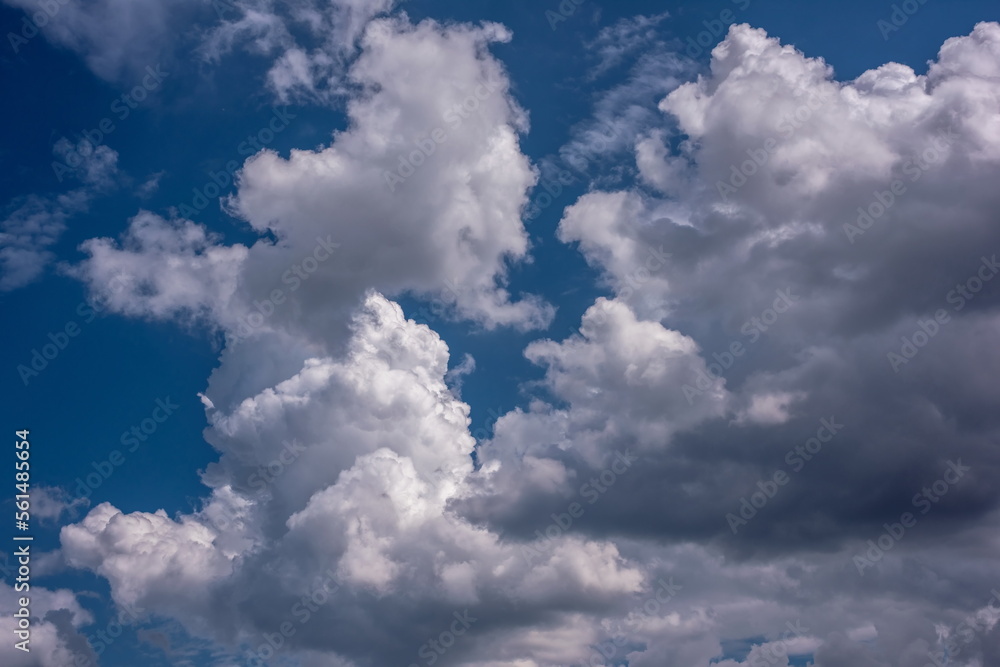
(136,271)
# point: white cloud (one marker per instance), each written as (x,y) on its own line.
(342,449)
(312,71)
(614,43)
(96,166)
(116,38)
(28,232)
(450,231)
(624,111)
(149,560)
(51,503)
(781,228)
(381,448)
(54,639)
(150,185)
(163,269)
(36,223)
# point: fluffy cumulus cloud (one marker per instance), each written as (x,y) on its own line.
(423,191)
(335,483)
(799,261)
(421,194)
(774,442)
(830,250)
(164,268)
(618,376)
(340,456)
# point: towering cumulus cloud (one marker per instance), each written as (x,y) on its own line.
(778,434)
(335,482)
(422,193)
(829,251)
(341,446)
